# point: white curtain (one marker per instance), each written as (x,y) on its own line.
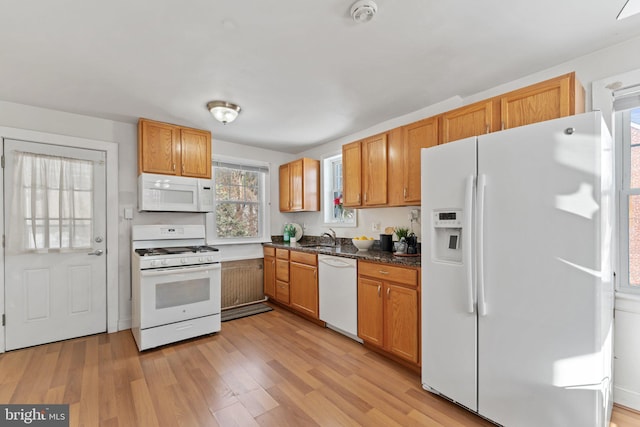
(52,204)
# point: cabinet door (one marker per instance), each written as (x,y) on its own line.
(303,288)
(269,271)
(374,170)
(395,168)
(285,200)
(401,321)
(370,311)
(351,174)
(416,136)
(296,187)
(471,120)
(551,99)
(196,153)
(158,147)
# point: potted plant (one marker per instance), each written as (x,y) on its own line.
(401,232)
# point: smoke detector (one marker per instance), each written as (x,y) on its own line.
(363,10)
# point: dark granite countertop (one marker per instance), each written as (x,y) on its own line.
(346,249)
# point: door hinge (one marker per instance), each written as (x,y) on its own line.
(2,161)
(3,240)
(3,320)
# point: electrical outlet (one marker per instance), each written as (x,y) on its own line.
(414,215)
(375,226)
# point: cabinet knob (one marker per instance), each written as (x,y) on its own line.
(173,167)
(383,272)
(388,293)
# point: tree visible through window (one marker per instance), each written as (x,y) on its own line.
(239,201)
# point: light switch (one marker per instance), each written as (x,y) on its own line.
(128,213)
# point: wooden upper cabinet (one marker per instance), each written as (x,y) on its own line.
(374,170)
(470,120)
(168,149)
(158,147)
(196,153)
(405,144)
(283,185)
(352,174)
(300,186)
(558,97)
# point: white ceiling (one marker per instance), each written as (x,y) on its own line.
(303,71)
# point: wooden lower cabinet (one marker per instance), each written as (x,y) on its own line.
(303,283)
(269,272)
(389,310)
(282,276)
(291,279)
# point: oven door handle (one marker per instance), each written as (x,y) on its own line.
(179,270)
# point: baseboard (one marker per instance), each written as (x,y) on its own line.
(124,324)
(626,398)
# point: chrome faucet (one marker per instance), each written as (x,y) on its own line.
(331,235)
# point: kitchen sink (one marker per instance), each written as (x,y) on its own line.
(317,246)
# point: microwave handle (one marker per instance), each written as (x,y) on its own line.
(179,270)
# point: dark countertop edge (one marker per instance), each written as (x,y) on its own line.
(349,251)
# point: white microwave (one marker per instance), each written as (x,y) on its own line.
(174,193)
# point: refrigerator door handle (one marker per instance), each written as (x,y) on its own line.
(467,248)
(482,304)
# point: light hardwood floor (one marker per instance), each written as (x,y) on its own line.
(272,369)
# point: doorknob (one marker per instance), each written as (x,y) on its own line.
(97,252)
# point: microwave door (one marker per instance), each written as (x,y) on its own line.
(168,195)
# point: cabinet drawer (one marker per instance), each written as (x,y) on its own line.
(304,258)
(282,253)
(407,276)
(269,251)
(282,292)
(282,270)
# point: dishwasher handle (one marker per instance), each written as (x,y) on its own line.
(338,263)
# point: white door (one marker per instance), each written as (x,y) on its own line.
(448,312)
(55,270)
(540,346)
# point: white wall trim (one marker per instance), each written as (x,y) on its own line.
(111,151)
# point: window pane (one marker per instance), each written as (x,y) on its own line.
(635,149)
(239,202)
(634,240)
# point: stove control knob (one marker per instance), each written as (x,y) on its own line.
(165,262)
(154,263)
(183,260)
(210,258)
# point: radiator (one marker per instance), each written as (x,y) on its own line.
(242,283)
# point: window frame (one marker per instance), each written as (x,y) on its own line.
(264,204)
(622,122)
(327,162)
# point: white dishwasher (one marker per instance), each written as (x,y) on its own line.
(338,294)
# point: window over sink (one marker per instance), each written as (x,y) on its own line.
(334,212)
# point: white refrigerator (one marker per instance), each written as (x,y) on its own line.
(517,280)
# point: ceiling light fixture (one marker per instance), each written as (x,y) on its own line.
(222,111)
(630,8)
(363,10)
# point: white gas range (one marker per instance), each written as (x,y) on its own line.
(176,281)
